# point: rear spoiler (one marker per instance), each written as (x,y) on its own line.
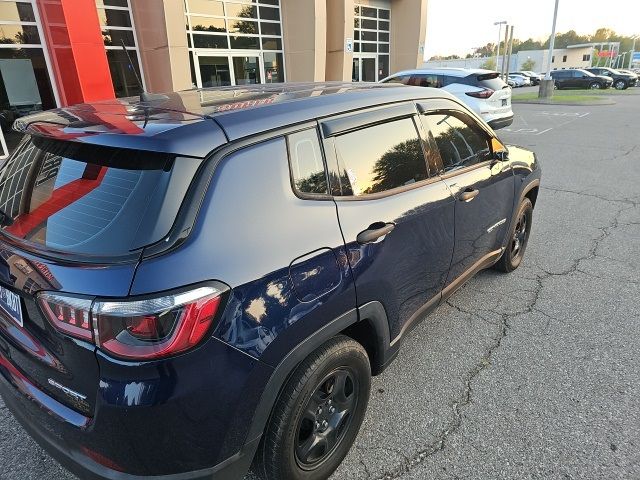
(487,76)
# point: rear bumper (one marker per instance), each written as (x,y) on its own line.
(171,438)
(499,123)
(84,467)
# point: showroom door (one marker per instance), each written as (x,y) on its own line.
(365,68)
(218,70)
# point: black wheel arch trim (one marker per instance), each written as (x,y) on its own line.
(372,312)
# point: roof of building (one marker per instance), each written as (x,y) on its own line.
(194,122)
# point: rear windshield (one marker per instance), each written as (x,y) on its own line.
(490,80)
(91,200)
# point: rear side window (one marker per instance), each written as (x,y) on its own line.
(404,79)
(381,157)
(84,199)
(490,80)
(460,142)
(427,80)
(307,167)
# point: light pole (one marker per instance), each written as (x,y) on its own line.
(546,85)
(500,23)
(633,50)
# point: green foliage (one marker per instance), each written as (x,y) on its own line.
(489,64)
(529,65)
(563,40)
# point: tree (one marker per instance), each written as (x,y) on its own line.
(489,64)
(392,167)
(529,65)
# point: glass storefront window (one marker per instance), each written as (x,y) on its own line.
(205,7)
(208,24)
(214,71)
(210,41)
(247,70)
(117,27)
(371,46)
(123,77)
(19,34)
(116,37)
(114,18)
(242,43)
(241,10)
(273,67)
(25,82)
(16,12)
(235,29)
(25,88)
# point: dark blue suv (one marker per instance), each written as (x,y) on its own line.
(206,279)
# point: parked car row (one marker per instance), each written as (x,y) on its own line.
(579,78)
(483,91)
(594,78)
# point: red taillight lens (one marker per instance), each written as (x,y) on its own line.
(70,315)
(156,327)
(137,329)
(484,93)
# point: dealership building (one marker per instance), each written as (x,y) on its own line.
(60,52)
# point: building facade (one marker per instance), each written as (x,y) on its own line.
(61,52)
(574,56)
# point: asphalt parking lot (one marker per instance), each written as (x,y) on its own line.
(529,375)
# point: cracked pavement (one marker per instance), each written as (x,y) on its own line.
(531,375)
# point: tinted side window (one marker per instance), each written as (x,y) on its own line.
(427,80)
(381,157)
(404,79)
(460,142)
(307,167)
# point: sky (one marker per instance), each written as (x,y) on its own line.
(459,26)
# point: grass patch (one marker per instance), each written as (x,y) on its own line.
(559,97)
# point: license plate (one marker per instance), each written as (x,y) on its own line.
(10,304)
(504,102)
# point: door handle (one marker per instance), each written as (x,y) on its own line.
(468,194)
(374,232)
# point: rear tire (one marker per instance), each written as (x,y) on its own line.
(317,415)
(620,85)
(517,239)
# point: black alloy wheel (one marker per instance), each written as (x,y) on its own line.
(517,239)
(317,415)
(326,418)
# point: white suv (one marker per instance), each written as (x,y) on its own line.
(481,90)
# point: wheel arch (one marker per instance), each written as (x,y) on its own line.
(532,193)
(367,325)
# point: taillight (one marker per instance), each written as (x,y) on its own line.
(484,93)
(69,314)
(143,329)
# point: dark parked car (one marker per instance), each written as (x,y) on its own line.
(578,78)
(210,278)
(620,79)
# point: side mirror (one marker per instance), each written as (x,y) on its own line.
(501,155)
(500,151)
